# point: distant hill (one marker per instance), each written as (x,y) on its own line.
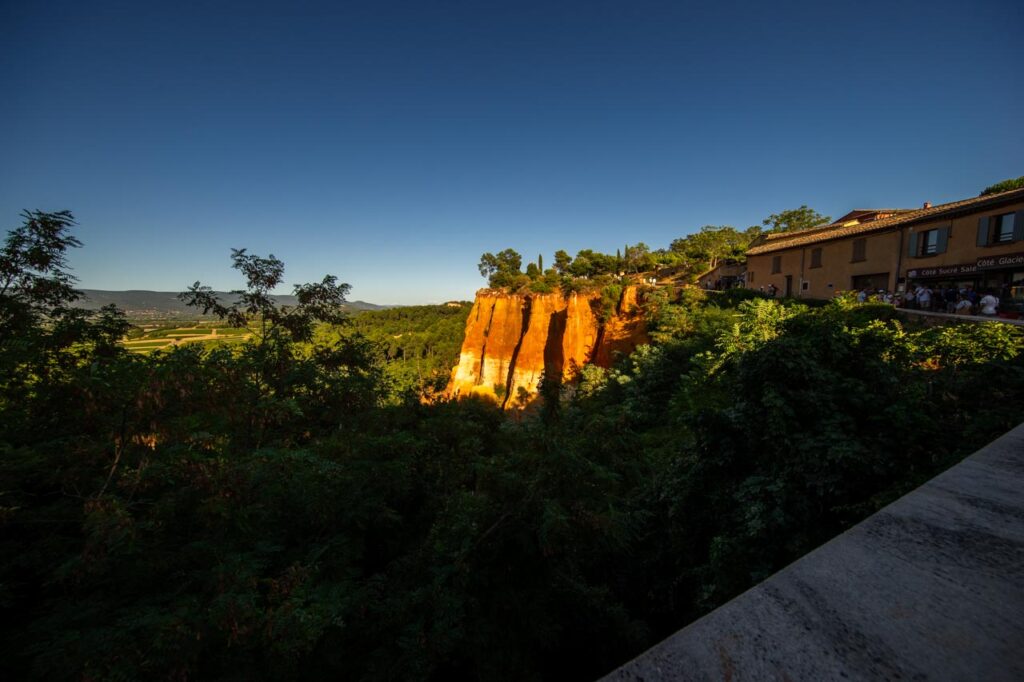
(165,303)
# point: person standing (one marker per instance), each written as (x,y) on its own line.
(924,298)
(972,295)
(989,303)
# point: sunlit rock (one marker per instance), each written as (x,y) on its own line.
(513,340)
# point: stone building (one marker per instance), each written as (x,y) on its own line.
(724,275)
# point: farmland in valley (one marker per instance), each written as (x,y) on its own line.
(163,334)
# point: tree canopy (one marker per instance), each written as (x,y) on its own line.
(1004,186)
(36,292)
(255,307)
(562,262)
(795,219)
(714,243)
(501,270)
(34,280)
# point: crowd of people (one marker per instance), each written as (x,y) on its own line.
(965,300)
(962,300)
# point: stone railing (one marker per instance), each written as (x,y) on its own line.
(929,588)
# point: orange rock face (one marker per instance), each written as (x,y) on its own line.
(493,330)
(579,335)
(623,332)
(513,340)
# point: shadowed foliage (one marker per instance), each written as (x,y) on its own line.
(277,510)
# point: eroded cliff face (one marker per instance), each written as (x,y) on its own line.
(512,340)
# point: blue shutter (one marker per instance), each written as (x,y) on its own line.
(983,231)
(1018,226)
(913,245)
(943,239)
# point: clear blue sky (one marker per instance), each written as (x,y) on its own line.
(392,143)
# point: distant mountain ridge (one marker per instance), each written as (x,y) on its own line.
(138,301)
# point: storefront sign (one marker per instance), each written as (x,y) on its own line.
(944,270)
(994,262)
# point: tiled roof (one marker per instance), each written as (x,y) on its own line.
(788,240)
(880,210)
(851,214)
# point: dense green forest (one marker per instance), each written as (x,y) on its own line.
(276,509)
(418,345)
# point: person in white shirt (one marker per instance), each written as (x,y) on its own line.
(988,304)
(924,298)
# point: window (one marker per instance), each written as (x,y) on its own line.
(816,258)
(860,247)
(776,264)
(804,286)
(929,242)
(1002,228)
(750,276)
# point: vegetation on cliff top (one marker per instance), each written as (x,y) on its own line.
(686,257)
(263,512)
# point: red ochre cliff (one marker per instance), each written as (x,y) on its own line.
(512,340)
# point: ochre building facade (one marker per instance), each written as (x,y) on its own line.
(976,242)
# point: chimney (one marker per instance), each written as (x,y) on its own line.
(927,204)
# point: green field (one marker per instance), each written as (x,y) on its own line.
(151,336)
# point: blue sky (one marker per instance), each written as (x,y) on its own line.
(391,143)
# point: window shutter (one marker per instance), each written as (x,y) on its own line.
(983,231)
(1018,226)
(859,250)
(913,245)
(943,239)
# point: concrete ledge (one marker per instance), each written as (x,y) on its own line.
(929,588)
(961,318)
